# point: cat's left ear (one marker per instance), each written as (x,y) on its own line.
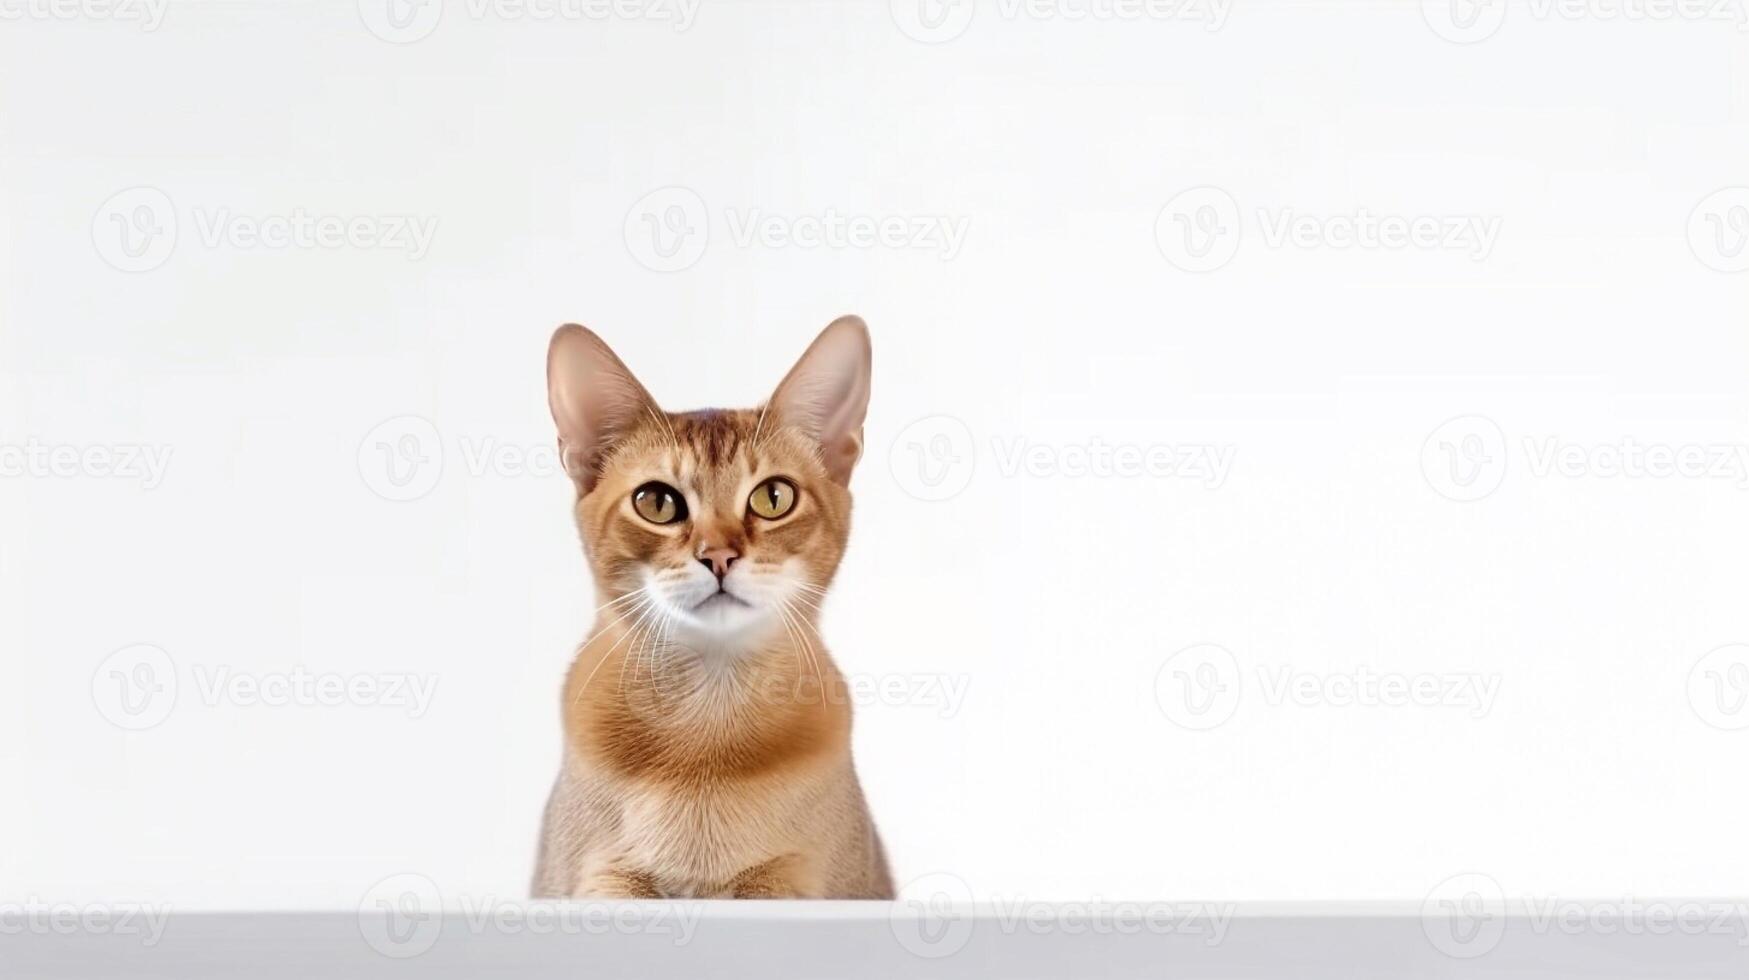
(594,398)
(826,394)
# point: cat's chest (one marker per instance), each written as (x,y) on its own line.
(695,837)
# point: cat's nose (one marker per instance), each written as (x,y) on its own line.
(718,560)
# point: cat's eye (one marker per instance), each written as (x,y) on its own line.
(659,503)
(773,498)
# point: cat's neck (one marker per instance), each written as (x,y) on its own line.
(637,701)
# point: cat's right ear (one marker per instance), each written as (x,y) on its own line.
(594,398)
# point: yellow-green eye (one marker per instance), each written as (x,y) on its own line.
(659,503)
(773,499)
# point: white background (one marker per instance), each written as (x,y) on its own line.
(1340,542)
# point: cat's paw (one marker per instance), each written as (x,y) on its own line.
(783,877)
(618,883)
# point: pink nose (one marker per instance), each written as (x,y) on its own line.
(718,560)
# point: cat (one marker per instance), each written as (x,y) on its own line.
(706,729)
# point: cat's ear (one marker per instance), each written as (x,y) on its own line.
(826,394)
(594,398)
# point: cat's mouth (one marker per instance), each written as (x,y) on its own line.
(720,599)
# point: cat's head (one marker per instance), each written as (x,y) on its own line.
(721,524)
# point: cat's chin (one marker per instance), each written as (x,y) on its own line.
(725,619)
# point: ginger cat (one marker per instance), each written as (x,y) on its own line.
(707,731)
